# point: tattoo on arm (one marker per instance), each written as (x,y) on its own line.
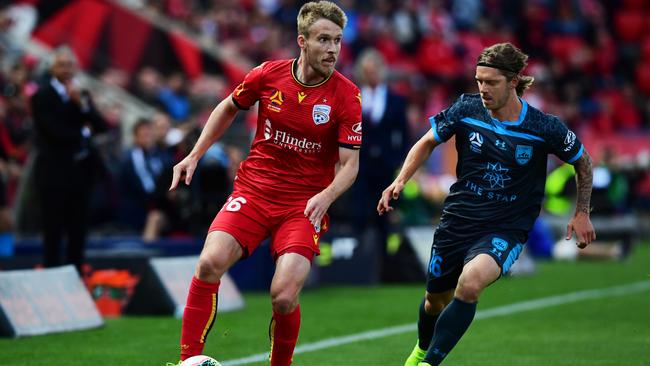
(584,179)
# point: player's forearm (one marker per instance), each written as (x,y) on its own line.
(345,176)
(584,179)
(220,119)
(418,154)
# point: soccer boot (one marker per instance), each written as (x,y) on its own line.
(416,356)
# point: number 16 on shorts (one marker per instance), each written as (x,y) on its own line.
(435,264)
(234,204)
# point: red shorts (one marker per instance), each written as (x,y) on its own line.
(250,219)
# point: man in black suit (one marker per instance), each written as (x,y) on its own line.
(385,141)
(64,120)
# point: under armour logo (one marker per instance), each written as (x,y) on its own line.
(436,351)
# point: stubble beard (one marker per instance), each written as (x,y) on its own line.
(498,103)
(315,63)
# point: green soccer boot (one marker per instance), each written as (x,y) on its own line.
(416,356)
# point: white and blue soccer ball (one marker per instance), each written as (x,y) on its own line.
(201,360)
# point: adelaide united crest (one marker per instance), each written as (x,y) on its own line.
(321,113)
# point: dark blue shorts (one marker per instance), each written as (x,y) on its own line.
(450,253)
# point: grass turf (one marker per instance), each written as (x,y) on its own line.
(606,331)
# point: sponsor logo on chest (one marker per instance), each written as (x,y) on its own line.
(290,140)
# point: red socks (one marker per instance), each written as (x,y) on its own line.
(284,335)
(200,313)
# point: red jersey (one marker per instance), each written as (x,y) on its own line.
(300,128)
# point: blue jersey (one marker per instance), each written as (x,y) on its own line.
(501,166)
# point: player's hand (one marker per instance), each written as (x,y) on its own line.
(317,207)
(183,170)
(390,193)
(580,224)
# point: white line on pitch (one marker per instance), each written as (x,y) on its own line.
(518,307)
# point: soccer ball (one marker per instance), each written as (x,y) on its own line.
(200,361)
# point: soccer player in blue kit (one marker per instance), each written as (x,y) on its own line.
(502,144)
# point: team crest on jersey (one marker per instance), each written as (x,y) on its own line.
(523,154)
(321,113)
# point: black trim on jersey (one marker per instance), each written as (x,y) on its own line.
(237,104)
(350,146)
(294,68)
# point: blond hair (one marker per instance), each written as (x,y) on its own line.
(313,11)
(510,60)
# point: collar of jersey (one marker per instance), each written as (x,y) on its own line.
(522,115)
(294,65)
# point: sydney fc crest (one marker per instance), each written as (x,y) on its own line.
(321,113)
(499,244)
(523,153)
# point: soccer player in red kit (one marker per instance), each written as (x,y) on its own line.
(309,120)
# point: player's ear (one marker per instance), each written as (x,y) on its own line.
(302,40)
(514,81)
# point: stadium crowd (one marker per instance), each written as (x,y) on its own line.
(590,60)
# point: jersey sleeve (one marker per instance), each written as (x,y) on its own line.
(562,141)
(248,92)
(350,126)
(444,123)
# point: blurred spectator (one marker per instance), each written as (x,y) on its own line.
(6,221)
(213,183)
(16,127)
(189,210)
(146,86)
(65,118)
(140,169)
(611,190)
(560,190)
(385,142)
(173,97)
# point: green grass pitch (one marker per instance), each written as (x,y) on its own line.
(609,330)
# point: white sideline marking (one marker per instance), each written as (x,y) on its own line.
(518,307)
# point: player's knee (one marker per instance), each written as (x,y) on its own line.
(469,289)
(283,298)
(433,306)
(283,303)
(209,269)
